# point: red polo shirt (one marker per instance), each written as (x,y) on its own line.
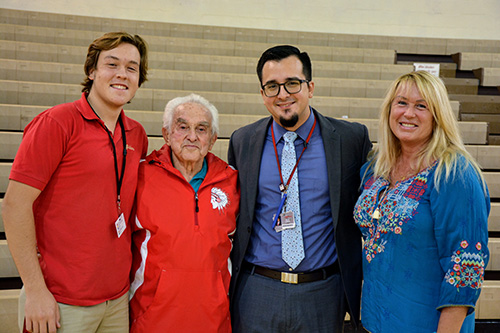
(67,154)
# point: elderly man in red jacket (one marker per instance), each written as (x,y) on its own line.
(187,203)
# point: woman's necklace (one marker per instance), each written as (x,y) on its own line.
(398,177)
(394,178)
(376,213)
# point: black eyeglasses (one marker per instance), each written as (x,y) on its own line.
(291,86)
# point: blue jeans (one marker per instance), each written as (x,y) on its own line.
(262,304)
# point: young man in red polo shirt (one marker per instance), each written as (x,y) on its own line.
(71,190)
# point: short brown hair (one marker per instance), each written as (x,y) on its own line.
(110,41)
(280,52)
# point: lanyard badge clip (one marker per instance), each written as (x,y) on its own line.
(278,213)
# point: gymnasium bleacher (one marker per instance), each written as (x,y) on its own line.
(42,65)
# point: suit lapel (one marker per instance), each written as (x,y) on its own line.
(254,157)
(331,142)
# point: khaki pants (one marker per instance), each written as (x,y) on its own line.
(107,317)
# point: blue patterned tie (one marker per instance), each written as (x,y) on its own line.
(292,245)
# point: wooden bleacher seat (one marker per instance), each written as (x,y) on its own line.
(461,86)
(21,70)
(2,229)
(494,218)
(401,44)
(487,156)
(493,181)
(487,305)
(18,69)
(432,46)
(492,119)
(201,81)
(494,140)
(447,70)
(42,52)
(488,76)
(8,310)
(8,268)
(81,38)
(494,261)
(4,175)
(28,70)
(480,104)
(481,108)
(472,60)
(10,143)
(456,45)
(30,93)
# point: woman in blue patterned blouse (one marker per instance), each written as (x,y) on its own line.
(423,214)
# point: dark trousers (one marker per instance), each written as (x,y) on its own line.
(262,304)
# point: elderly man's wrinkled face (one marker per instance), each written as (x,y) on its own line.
(190,135)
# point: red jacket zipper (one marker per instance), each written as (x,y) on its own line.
(196,209)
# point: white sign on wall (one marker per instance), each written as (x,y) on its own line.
(431,68)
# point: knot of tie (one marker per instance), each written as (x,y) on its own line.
(290,137)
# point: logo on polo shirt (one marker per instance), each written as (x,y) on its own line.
(219,199)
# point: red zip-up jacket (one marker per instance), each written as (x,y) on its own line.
(181,244)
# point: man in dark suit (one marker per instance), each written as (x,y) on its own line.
(307,286)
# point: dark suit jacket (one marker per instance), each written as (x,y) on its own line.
(346,146)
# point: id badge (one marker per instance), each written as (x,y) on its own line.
(277,216)
(120,225)
(277,224)
(287,220)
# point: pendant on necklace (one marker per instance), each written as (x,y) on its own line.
(376,214)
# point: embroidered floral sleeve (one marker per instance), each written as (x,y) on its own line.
(460,210)
(468,266)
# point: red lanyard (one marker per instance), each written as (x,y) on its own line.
(284,187)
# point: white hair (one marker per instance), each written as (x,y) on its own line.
(172,105)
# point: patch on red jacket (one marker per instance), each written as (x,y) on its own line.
(219,199)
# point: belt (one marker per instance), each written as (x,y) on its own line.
(294,278)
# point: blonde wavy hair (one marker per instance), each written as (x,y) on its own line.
(445,144)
